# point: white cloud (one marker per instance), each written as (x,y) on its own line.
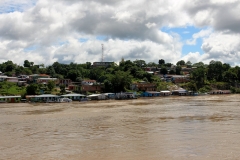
(131,29)
(202,34)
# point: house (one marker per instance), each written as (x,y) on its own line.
(8,79)
(85,88)
(33,78)
(88,82)
(46,80)
(180,92)
(150,94)
(10,99)
(74,96)
(91,88)
(220,92)
(180,79)
(125,95)
(3,78)
(22,83)
(97,97)
(65,82)
(75,86)
(42,98)
(23,78)
(144,86)
(165,93)
(110,95)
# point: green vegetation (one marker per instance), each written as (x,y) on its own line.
(8,88)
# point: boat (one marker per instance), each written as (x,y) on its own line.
(64,100)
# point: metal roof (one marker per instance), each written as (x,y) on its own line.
(73,95)
(46,95)
(10,96)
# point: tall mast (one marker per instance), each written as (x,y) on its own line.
(102,51)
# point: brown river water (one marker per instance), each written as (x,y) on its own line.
(200,127)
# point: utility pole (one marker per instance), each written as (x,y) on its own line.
(102,52)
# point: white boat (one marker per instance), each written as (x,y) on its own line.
(64,100)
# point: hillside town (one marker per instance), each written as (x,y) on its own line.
(106,80)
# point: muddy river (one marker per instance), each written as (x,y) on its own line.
(200,127)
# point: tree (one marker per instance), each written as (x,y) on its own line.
(215,70)
(51,71)
(31,63)
(163,70)
(178,70)
(73,74)
(189,64)
(168,64)
(26,63)
(88,65)
(51,85)
(198,76)
(62,89)
(171,72)
(152,64)
(120,81)
(32,89)
(9,66)
(161,62)
(230,75)
(191,86)
(199,64)
(180,63)
(140,63)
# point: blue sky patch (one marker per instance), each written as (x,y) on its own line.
(186,33)
(30,48)
(14,6)
(83,40)
(101,38)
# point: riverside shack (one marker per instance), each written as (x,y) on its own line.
(10,99)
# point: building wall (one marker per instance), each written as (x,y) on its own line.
(65,82)
(146,86)
(91,88)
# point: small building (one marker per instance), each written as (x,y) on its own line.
(150,94)
(91,88)
(110,95)
(33,78)
(46,80)
(220,92)
(180,79)
(180,92)
(3,78)
(97,97)
(10,99)
(165,93)
(75,87)
(42,98)
(88,82)
(144,86)
(22,83)
(8,79)
(74,96)
(65,82)
(125,95)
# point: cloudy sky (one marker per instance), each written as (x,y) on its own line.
(46,31)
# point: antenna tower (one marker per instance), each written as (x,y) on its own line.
(102,51)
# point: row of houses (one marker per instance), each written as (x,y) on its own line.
(103,96)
